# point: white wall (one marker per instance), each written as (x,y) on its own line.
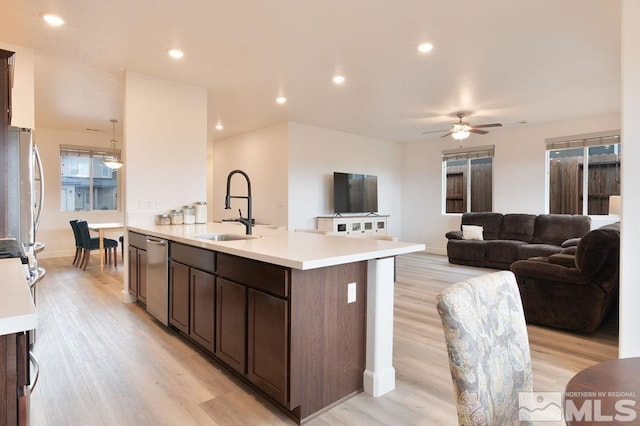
(165,146)
(630,269)
(23,86)
(518,175)
(262,154)
(291,168)
(54,230)
(315,153)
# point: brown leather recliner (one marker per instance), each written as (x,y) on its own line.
(573,291)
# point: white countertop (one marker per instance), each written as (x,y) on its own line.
(298,250)
(17,311)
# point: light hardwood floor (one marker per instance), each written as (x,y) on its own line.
(104,362)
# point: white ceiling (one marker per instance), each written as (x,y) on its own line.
(504,61)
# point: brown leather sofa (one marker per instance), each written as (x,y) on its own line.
(573,291)
(507,238)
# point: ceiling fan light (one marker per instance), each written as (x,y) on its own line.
(460,134)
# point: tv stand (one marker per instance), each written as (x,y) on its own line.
(370,223)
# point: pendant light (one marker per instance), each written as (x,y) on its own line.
(112,162)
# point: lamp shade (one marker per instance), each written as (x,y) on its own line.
(113,163)
(615,205)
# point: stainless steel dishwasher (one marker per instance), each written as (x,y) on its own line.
(158,279)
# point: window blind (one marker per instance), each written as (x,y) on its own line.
(80,151)
(585,140)
(484,151)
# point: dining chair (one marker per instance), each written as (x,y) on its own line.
(89,244)
(488,348)
(78,239)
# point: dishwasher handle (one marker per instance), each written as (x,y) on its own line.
(156,242)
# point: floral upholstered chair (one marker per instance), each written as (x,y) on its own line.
(488,348)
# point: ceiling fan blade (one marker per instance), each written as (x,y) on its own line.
(488,125)
(446,134)
(480,132)
(435,131)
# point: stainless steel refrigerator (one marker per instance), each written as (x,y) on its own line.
(22,199)
(24,192)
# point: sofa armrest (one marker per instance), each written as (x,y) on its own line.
(562,259)
(454,235)
(571,242)
(547,271)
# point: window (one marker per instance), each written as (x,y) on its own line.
(467,179)
(583,172)
(86,183)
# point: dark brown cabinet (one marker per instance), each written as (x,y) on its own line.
(292,334)
(268,337)
(179,296)
(138,266)
(192,288)
(14,377)
(264,310)
(202,308)
(231,320)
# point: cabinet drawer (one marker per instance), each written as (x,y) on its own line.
(193,256)
(262,276)
(137,240)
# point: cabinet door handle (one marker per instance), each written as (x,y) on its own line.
(36,367)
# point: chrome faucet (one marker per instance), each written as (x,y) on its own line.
(227,201)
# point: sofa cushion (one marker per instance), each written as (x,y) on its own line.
(556,228)
(490,222)
(527,251)
(470,250)
(518,227)
(502,251)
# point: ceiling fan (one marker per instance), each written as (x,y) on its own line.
(462,129)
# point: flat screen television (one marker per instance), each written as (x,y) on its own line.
(355,193)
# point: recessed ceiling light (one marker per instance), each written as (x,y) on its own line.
(425,47)
(338,79)
(219,126)
(281,100)
(53,20)
(176,53)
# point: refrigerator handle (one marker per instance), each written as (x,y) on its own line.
(41,176)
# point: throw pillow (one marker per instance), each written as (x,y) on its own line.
(472,232)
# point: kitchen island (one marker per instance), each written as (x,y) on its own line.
(305,318)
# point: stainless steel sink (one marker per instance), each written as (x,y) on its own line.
(223,237)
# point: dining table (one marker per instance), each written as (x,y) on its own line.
(101,228)
(605,393)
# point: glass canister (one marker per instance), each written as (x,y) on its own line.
(163,219)
(176,217)
(201,212)
(189,215)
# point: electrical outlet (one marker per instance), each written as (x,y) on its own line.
(144,205)
(351,292)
